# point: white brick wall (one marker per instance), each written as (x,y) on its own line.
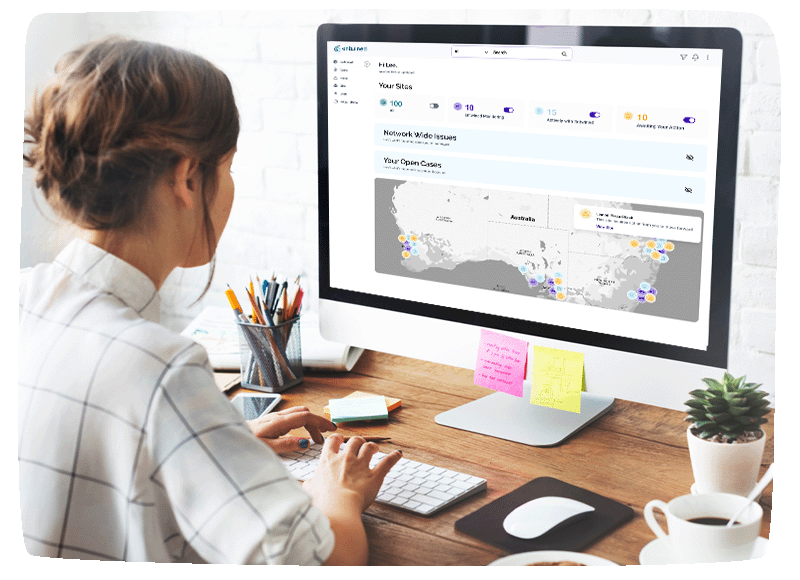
(269,57)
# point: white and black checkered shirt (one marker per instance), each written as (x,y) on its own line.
(127,449)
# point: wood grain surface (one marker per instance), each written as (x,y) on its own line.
(633,454)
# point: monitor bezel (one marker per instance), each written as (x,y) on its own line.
(729,40)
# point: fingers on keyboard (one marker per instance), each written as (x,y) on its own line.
(418,487)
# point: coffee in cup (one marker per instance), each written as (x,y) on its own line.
(698,531)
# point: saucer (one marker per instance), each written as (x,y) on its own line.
(531,558)
(659,552)
(694,491)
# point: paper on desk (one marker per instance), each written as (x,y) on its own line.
(557,378)
(215,329)
(502,363)
(358,409)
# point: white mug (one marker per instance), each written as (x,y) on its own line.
(694,543)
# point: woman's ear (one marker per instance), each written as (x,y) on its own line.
(185,182)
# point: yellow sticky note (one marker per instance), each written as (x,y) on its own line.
(557,378)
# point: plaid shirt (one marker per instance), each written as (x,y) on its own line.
(127,449)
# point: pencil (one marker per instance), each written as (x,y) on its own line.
(295,304)
(257,317)
(285,304)
(368,439)
(249,337)
(253,293)
(233,302)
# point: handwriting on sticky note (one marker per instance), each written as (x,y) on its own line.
(502,362)
(557,378)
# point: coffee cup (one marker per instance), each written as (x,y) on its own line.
(698,531)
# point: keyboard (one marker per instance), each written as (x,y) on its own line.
(410,485)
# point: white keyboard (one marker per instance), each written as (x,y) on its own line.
(417,487)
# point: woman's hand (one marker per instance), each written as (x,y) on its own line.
(272,427)
(342,487)
(346,478)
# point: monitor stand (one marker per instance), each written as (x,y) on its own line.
(516,419)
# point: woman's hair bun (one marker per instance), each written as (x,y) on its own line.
(117,115)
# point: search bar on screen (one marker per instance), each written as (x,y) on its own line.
(512,52)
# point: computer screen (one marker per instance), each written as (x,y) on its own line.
(570,185)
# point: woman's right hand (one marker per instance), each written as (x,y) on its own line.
(345,479)
(342,487)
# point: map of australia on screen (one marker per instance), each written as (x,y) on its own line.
(622,256)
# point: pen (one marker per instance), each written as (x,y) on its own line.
(270,299)
(278,296)
(368,439)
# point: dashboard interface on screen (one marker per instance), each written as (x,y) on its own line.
(568,185)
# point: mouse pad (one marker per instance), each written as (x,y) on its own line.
(486,524)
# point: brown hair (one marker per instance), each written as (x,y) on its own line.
(117,116)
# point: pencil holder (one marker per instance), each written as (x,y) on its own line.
(271,359)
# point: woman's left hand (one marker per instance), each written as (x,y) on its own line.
(272,427)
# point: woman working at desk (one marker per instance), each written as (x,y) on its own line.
(127,450)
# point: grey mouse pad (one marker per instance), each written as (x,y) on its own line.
(486,523)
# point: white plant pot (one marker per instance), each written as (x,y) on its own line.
(725,467)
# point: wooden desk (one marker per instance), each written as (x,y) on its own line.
(633,454)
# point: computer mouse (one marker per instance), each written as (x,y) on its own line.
(543,514)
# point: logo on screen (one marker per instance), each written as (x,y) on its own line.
(340,48)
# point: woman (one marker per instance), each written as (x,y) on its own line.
(127,449)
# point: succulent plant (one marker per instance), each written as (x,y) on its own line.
(728,408)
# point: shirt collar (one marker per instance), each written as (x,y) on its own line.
(113,275)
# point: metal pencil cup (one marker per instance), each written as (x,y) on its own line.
(271,360)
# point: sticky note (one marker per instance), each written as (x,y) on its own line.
(502,363)
(391,403)
(358,409)
(557,378)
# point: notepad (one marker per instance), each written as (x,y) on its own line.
(391,403)
(557,378)
(358,409)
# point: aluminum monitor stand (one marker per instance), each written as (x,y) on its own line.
(516,419)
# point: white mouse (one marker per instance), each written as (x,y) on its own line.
(534,518)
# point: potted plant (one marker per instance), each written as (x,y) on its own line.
(726,442)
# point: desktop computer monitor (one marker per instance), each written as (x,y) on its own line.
(570,186)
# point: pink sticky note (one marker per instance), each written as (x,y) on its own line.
(502,363)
